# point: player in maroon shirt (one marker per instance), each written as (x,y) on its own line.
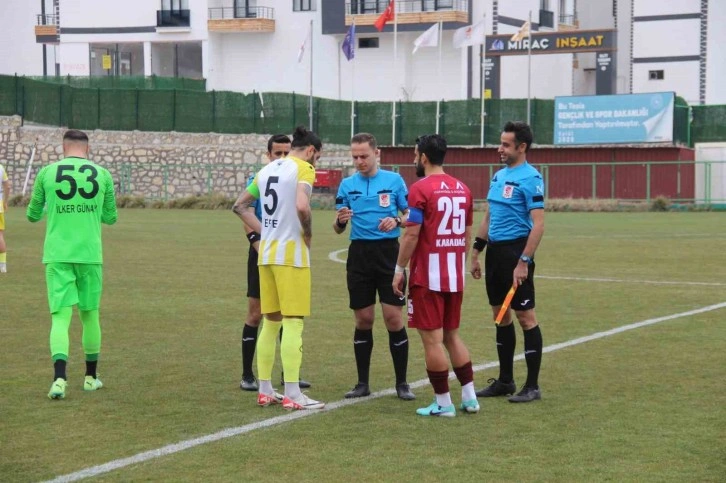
(436,241)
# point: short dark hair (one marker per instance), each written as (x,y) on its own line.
(75,135)
(522,132)
(277,138)
(303,138)
(433,146)
(364,137)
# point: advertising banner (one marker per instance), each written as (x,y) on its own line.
(613,119)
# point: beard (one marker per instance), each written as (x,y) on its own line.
(420,171)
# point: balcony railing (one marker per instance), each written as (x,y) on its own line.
(222,13)
(546,18)
(47,19)
(172,18)
(568,19)
(362,7)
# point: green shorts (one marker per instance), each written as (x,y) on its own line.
(74,283)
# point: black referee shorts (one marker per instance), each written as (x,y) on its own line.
(253,274)
(370,268)
(501,259)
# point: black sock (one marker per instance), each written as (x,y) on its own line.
(533,354)
(398,343)
(506,343)
(91,368)
(363,348)
(249,342)
(60,369)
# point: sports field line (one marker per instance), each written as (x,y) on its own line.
(229,432)
(333,256)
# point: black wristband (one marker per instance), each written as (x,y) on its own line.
(341,225)
(479,244)
(253,237)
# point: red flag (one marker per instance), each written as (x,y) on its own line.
(388,14)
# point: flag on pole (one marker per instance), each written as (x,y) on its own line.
(387,15)
(349,43)
(430,38)
(304,44)
(523,32)
(470,35)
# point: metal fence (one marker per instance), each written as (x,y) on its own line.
(678,181)
(114,103)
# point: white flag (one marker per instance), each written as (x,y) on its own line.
(523,32)
(430,38)
(304,44)
(470,35)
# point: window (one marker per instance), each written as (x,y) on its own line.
(655,75)
(303,5)
(117,59)
(368,43)
(182,59)
(245,8)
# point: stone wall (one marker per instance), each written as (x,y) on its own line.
(152,164)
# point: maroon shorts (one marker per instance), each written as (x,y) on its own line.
(429,310)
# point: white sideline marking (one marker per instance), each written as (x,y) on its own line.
(229,432)
(334,257)
(622,280)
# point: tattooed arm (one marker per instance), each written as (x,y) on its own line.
(242,209)
(304,190)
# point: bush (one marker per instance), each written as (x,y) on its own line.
(661,203)
(130,201)
(18,200)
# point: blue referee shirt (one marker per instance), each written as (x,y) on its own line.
(371,199)
(513,193)
(255,204)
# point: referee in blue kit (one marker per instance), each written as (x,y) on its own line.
(512,229)
(374,202)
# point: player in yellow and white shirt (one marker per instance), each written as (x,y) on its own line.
(283,188)
(4,196)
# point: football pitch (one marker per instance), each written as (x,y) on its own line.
(632,309)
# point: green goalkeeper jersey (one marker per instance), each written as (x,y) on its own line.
(78,195)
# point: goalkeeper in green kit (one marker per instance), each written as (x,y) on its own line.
(78,196)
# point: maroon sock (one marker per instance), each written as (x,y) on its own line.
(439,381)
(464,374)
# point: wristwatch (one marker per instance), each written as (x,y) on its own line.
(526,259)
(398,220)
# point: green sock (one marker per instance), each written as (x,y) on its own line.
(60,323)
(291,348)
(91,338)
(3,257)
(266,347)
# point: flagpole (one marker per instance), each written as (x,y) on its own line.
(529,69)
(310,101)
(395,66)
(482,114)
(438,101)
(352,90)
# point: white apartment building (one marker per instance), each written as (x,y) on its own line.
(579,47)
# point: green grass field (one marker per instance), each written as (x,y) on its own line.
(641,405)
